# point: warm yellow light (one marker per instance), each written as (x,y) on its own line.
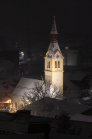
(8,101)
(48,64)
(67,47)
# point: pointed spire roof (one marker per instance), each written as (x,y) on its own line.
(54,28)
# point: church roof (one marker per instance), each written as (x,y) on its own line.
(53,48)
(25,85)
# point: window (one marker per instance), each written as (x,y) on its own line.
(66,47)
(58,64)
(48,64)
(55,64)
(72,52)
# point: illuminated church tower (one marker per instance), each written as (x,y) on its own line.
(53,61)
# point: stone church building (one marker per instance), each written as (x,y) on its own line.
(53,70)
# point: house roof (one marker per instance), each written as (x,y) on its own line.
(83,118)
(25,85)
(7,88)
(42,107)
(71,94)
(70,84)
(76,75)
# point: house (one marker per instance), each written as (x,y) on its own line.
(70,50)
(6,88)
(84,122)
(76,80)
(49,107)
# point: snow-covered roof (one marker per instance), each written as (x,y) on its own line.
(80,117)
(53,48)
(42,107)
(25,85)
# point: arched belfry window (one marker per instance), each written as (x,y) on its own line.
(58,64)
(55,64)
(48,64)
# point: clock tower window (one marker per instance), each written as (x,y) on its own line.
(55,64)
(48,64)
(58,64)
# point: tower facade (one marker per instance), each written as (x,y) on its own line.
(53,61)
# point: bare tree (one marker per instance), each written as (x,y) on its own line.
(46,90)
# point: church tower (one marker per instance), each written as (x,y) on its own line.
(53,61)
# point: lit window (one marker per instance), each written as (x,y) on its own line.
(55,64)
(48,64)
(58,64)
(67,47)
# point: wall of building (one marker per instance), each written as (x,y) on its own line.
(15,101)
(71,57)
(57,79)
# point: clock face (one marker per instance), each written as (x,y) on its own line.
(48,56)
(57,56)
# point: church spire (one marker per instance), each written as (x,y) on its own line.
(54,28)
(54,32)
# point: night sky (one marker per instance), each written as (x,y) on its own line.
(30,21)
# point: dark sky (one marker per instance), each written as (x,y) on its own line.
(30,21)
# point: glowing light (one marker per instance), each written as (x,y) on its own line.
(12,108)
(66,47)
(8,101)
(22,53)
